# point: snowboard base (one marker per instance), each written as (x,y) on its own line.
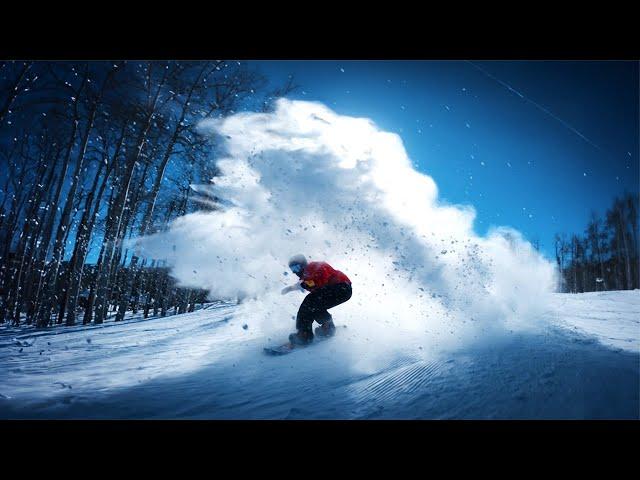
(289,347)
(280,349)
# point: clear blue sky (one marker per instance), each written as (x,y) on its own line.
(532,145)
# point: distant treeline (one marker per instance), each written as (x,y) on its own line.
(92,154)
(606,256)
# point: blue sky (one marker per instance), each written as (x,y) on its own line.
(537,157)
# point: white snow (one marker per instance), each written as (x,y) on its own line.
(206,365)
(611,317)
(305,179)
(97,358)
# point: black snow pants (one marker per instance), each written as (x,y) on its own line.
(316,304)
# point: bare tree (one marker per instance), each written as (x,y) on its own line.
(97,154)
(14,90)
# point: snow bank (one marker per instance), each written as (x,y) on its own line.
(611,317)
(304,179)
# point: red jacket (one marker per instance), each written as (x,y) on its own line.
(318,274)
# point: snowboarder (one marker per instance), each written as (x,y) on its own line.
(328,287)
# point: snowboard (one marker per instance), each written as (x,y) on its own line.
(288,347)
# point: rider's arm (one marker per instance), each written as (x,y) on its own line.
(291,288)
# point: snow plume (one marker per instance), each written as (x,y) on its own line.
(304,179)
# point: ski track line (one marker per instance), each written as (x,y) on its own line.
(390,383)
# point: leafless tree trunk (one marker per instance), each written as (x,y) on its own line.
(14,91)
(115,216)
(616,219)
(146,221)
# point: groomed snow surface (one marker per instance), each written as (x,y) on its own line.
(581,361)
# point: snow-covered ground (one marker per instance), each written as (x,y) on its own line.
(582,360)
(612,317)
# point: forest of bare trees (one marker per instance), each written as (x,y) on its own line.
(93,154)
(606,256)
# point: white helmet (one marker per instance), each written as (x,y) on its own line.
(297,263)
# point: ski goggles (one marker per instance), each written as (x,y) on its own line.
(296,268)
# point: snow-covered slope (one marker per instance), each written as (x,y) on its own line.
(612,317)
(582,360)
